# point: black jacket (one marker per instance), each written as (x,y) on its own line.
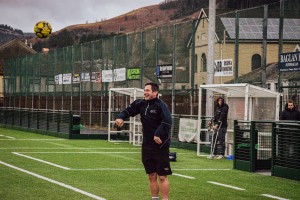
(288,114)
(221,114)
(155,117)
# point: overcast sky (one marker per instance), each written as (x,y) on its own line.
(23,14)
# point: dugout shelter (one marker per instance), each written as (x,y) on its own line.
(246,102)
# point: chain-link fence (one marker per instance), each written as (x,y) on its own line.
(78,78)
(267,146)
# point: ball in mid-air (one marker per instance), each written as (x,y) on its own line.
(42,29)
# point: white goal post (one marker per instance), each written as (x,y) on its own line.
(135,126)
(246,102)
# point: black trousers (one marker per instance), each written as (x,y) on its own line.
(220,140)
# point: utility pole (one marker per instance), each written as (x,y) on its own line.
(210,56)
(264,53)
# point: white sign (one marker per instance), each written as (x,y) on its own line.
(97,77)
(85,77)
(223,67)
(67,78)
(120,74)
(59,79)
(107,76)
(76,78)
(187,130)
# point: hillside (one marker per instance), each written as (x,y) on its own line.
(169,12)
(136,20)
(8,34)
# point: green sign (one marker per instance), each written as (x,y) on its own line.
(133,74)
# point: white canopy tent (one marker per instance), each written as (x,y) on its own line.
(135,132)
(244,92)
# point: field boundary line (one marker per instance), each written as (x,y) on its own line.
(54,181)
(183,176)
(273,197)
(82,148)
(224,185)
(7,136)
(31,139)
(42,161)
(87,152)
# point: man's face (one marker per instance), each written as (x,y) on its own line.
(148,93)
(290,106)
(220,101)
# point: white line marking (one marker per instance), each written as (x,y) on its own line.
(184,176)
(7,137)
(33,139)
(109,169)
(204,169)
(102,169)
(30,148)
(95,152)
(10,137)
(36,159)
(224,185)
(273,197)
(53,181)
(135,169)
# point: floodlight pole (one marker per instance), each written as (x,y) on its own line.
(211,51)
(280,42)
(236,49)
(264,56)
(174,70)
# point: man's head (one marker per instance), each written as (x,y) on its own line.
(290,105)
(220,101)
(150,91)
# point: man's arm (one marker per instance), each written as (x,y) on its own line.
(131,111)
(223,115)
(165,126)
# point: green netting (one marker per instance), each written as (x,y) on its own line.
(64,77)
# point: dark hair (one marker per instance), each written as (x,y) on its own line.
(154,86)
(290,101)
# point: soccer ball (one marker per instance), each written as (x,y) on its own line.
(42,29)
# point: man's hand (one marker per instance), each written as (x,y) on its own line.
(119,122)
(215,127)
(157,140)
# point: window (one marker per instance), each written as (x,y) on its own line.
(255,62)
(203,62)
(203,36)
(196,63)
(276,86)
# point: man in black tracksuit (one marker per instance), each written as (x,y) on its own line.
(220,127)
(290,112)
(287,140)
(157,122)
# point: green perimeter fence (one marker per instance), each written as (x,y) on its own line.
(71,125)
(261,146)
(72,78)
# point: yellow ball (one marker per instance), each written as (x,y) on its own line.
(42,29)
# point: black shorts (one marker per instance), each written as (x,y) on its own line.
(156,161)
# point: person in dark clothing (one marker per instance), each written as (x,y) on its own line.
(219,125)
(286,139)
(157,122)
(290,112)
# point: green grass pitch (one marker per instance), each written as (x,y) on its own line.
(34,166)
